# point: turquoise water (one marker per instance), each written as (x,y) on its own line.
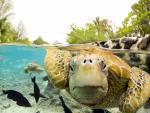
(20,55)
(13,59)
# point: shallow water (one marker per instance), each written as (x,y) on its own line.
(13,59)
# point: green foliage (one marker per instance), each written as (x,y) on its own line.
(138,20)
(23,41)
(7,32)
(99,29)
(5,27)
(39,41)
(21,31)
(103,27)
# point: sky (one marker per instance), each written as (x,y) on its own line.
(51,19)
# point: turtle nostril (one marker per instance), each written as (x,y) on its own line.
(87,61)
(90,61)
(84,61)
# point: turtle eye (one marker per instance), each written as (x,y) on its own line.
(103,65)
(71,68)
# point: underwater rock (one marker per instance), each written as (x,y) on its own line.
(6,106)
(140,60)
(50,90)
(52,93)
(143,110)
(38,112)
(147,105)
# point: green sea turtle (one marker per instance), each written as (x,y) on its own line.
(33,68)
(97,78)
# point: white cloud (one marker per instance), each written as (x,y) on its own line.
(51,19)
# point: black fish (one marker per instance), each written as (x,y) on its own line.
(36,93)
(66,109)
(100,111)
(18,97)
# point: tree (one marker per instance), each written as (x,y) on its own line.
(24,40)
(99,29)
(7,31)
(5,8)
(21,31)
(39,41)
(138,20)
(103,26)
(21,34)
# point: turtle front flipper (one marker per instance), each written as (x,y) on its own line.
(57,66)
(138,91)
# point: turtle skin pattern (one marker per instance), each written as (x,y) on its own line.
(138,91)
(57,66)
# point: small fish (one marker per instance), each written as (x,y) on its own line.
(18,97)
(36,93)
(100,111)
(66,109)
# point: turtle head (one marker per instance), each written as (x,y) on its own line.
(88,79)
